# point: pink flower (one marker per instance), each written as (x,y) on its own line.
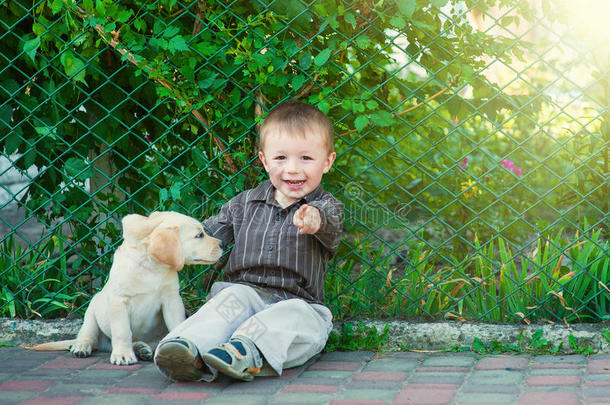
(508,164)
(464,164)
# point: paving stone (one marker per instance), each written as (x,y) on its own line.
(182,396)
(212,387)
(489,388)
(486,398)
(46,400)
(335,366)
(374,385)
(557,371)
(441,378)
(14,397)
(450,361)
(229,399)
(391,364)
(26,385)
(333,378)
(552,359)
(552,380)
(73,363)
(359,356)
(267,386)
(427,396)
(332,375)
(496,377)
(599,366)
(502,363)
(598,391)
(322,389)
(380,376)
(549,398)
(300,398)
(114,399)
(384,395)
(75,387)
(427,369)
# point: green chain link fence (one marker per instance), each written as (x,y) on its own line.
(472,141)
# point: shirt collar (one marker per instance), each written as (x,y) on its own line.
(264,192)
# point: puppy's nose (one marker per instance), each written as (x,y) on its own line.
(219,243)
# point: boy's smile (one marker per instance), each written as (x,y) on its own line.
(295,164)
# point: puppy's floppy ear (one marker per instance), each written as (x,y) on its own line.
(166,248)
(137,227)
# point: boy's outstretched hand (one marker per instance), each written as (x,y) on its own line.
(307,219)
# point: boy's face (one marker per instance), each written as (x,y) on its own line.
(295,164)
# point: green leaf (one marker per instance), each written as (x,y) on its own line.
(350,19)
(12,142)
(298,81)
(324,106)
(139,24)
(382,118)
(398,22)
(29,158)
(175,190)
(74,67)
(171,31)
(322,57)
(31,47)
(78,169)
(305,61)
(439,3)
(363,41)
(407,7)
(361,122)
(6,115)
(177,44)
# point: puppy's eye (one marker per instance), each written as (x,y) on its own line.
(200,235)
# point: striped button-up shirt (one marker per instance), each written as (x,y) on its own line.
(268,251)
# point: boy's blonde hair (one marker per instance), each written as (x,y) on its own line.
(297,118)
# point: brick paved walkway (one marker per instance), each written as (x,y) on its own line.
(50,378)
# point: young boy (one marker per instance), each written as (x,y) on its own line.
(269,308)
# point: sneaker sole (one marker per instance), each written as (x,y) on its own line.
(225,368)
(179,363)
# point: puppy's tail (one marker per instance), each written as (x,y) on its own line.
(60,345)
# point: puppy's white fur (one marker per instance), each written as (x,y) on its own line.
(140,302)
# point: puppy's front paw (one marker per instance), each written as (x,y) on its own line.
(123,357)
(81,350)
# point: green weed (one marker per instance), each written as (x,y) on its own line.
(357,337)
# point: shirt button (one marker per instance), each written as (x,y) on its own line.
(270,247)
(278,217)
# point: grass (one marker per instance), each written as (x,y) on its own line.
(36,281)
(561,280)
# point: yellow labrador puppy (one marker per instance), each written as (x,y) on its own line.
(140,302)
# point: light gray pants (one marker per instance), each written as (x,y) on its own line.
(288,333)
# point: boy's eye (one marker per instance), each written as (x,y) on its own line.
(281,157)
(307,158)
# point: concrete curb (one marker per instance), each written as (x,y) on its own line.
(415,336)
(447,335)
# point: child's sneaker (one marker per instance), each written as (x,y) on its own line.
(239,358)
(179,360)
